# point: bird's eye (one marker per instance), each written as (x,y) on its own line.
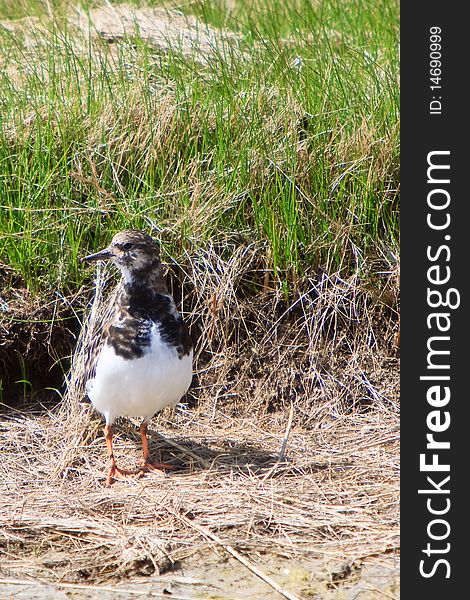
(127,246)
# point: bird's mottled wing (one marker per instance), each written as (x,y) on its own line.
(92,337)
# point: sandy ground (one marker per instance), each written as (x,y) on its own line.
(227,580)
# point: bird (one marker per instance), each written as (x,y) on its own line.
(144,358)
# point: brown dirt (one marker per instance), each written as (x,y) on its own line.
(36,335)
(164,29)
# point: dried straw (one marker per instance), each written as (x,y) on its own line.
(290,453)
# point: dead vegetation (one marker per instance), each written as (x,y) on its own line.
(288,448)
(334,495)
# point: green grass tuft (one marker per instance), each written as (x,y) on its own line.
(285,132)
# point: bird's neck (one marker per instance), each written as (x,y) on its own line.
(149,280)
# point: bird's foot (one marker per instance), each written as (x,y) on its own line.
(148,465)
(117,473)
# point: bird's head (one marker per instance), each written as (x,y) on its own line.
(132,251)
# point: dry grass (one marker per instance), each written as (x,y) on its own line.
(289,448)
(335,494)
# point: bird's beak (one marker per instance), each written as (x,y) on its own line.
(105,254)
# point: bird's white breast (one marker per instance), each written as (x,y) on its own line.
(139,387)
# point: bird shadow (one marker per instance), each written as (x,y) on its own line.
(186,455)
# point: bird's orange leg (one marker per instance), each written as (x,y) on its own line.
(114,471)
(148,464)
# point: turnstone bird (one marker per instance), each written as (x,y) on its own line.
(144,362)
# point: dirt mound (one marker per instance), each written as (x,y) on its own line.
(166,30)
(35,338)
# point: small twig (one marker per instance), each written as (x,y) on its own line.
(282,453)
(242,559)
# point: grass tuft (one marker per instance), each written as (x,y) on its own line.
(276,123)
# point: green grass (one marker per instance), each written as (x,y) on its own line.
(291,140)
